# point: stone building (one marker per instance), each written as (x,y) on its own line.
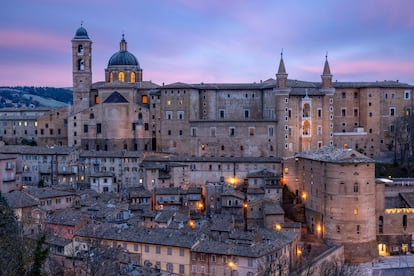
(52,127)
(48,166)
(11,173)
(276,117)
(394,216)
(113,114)
(338,189)
(19,125)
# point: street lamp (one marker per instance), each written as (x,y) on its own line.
(278,227)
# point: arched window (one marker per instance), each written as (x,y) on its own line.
(110,77)
(81,65)
(121,76)
(80,49)
(133,77)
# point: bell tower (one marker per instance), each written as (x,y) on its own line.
(82,69)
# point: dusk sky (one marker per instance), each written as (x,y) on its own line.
(218,41)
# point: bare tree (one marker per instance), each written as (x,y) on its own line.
(271,266)
(402,137)
(101,259)
(336,267)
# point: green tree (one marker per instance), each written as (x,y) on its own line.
(40,255)
(12,260)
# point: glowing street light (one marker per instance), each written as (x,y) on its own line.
(278,227)
(304,195)
(233,180)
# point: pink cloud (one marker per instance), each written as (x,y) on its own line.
(27,39)
(36,75)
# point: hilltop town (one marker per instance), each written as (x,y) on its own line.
(276,177)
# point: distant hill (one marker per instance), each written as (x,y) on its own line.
(29,96)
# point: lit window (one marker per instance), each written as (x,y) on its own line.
(144,99)
(133,77)
(121,76)
(356,211)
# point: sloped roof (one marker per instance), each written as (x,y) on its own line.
(116,97)
(19,199)
(335,155)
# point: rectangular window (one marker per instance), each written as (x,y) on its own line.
(135,247)
(98,128)
(271,131)
(355,112)
(250,262)
(213,258)
(212,131)
(182,270)
(147,249)
(169,251)
(319,113)
(85,128)
(407,95)
(169,115)
(343,112)
(193,131)
(221,114)
(232,131)
(392,111)
(246,114)
(180,115)
(319,131)
(158,249)
(181,252)
(251,131)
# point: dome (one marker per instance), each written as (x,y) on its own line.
(81,33)
(123,58)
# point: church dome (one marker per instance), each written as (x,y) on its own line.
(81,33)
(123,57)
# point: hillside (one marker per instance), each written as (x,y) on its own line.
(29,96)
